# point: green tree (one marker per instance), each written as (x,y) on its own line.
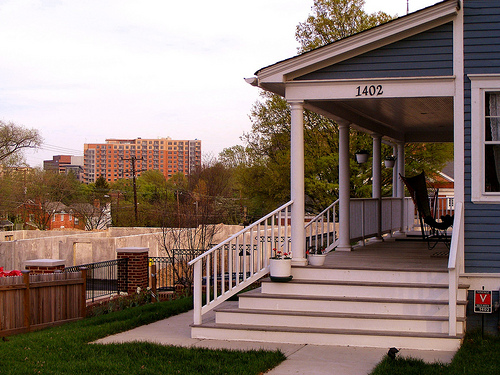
(12,189)
(46,192)
(333,20)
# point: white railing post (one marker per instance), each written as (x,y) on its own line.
(197,292)
(454,265)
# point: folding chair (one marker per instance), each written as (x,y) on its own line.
(433,230)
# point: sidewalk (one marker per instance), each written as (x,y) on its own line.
(301,359)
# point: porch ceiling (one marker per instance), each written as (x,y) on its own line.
(420,119)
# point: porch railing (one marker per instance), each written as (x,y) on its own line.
(443,206)
(321,231)
(455,266)
(238,261)
(365,211)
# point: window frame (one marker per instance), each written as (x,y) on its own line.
(480,85)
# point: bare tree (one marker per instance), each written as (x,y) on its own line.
(14,139)
(95,216)
(192,215)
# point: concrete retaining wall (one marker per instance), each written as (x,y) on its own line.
(79,247)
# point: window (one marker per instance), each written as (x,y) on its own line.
(485,140)
(492,142)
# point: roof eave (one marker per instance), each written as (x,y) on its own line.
(273,77)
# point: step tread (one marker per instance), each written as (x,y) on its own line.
(213,325)
(370,268)
(256,293)
(332,314)
(369,283)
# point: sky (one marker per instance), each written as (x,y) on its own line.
(85,71)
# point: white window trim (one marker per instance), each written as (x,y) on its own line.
(480,83)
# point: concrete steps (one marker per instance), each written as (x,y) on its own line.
(349,307)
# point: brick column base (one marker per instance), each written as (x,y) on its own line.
(136,272)
(39,266)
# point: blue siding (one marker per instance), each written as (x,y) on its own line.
(426,54)
(482,55)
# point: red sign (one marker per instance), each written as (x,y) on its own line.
(483,302)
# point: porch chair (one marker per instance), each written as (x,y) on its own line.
(433,230)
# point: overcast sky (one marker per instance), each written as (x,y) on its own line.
(85,71)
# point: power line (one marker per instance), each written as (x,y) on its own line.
(60,149)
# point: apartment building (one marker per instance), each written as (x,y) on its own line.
(65,164)
(117,158)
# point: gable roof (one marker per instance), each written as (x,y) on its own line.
(273,77)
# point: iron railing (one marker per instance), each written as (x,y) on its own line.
(173,270)
(102,277)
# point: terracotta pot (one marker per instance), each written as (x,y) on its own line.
(316,259)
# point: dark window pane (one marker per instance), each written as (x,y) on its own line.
(492,168)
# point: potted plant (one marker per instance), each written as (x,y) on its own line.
(316,256)
(362,156)
(280,266)
(389,161)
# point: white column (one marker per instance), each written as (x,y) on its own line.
(344,189)
(401,187)
(377,179)
(297,184)
(401,169)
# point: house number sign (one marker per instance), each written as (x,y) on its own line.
(371,90)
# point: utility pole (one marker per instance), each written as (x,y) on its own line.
(133,159)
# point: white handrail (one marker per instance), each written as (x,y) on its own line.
(238,261)
(246,229)
(454,266)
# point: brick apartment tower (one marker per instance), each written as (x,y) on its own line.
(112,159)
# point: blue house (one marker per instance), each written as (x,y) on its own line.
(433,75)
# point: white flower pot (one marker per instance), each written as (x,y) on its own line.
(316,259)
(280,269)
(361,158)
(389,163)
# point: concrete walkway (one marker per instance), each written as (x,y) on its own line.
(301,359)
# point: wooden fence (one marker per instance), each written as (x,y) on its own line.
(31,302)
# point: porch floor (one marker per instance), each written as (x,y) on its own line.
(396,253)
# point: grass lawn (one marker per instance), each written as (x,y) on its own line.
(65,349)
(477,356)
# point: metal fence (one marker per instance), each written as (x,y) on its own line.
(102,277)
(174,270)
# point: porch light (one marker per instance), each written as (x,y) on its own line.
(389,161)
(362,156)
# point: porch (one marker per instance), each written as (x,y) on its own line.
(393,254)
